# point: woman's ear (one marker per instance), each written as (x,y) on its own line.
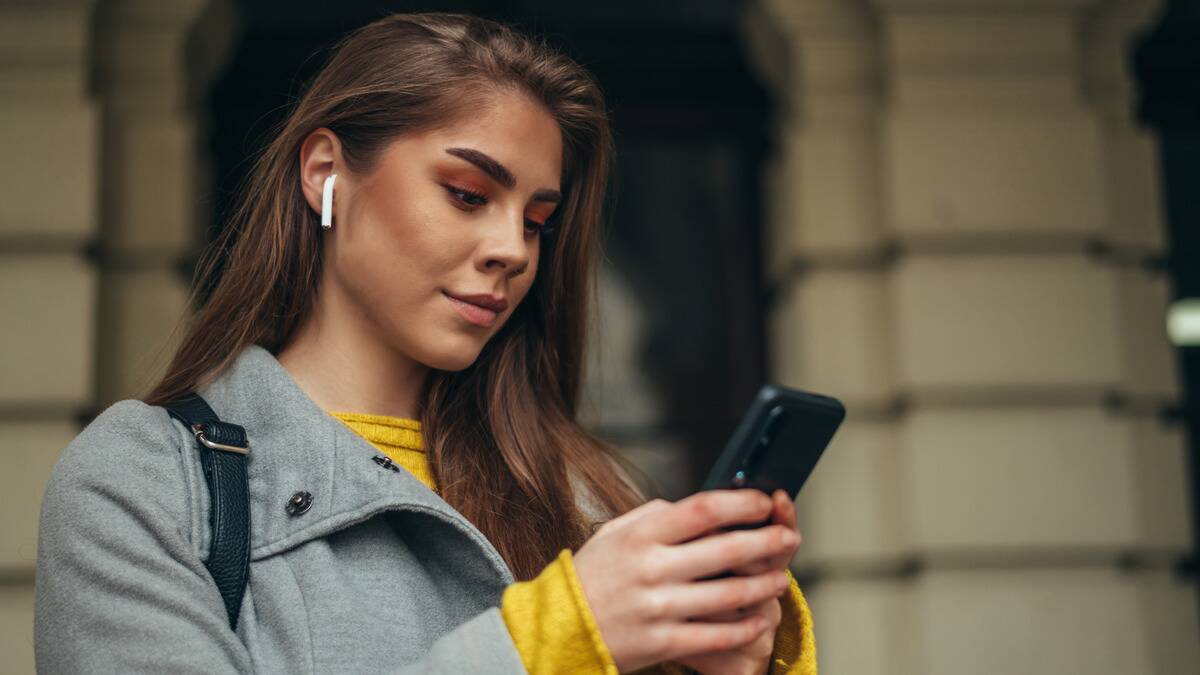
(320,156)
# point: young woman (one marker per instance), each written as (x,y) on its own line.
(422,498)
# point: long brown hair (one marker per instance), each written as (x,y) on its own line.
(501,436)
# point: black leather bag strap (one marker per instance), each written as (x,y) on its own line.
(223,449)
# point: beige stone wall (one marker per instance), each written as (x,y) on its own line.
(97,208)
(944,173)
(49,125)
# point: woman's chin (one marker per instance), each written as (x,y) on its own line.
(452,357)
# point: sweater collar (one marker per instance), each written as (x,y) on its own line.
(296,446)
(395,432)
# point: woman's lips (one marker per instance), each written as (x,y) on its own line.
(480,316)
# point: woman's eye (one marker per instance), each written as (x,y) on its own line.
(468,197)
(471,200)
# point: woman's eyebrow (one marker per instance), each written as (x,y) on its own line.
(500,173)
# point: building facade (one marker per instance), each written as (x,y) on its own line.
(960,206)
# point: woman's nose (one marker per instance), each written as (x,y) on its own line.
(505,247)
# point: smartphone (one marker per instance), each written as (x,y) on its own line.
(777,444)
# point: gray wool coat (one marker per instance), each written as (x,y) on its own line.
(379,575)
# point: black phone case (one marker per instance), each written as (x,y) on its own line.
(778,441)
(776,445)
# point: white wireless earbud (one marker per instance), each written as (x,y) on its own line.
(327,202)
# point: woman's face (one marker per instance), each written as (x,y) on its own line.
(435,247)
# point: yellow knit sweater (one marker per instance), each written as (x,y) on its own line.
(549,618)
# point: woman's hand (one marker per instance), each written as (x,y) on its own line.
(750,659)
(639,572)
(754,658)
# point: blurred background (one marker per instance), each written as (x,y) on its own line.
(973,221)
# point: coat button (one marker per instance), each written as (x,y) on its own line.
(299,503)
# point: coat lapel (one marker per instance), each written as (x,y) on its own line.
(296,446)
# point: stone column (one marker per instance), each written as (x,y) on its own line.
(963,213)
(49,127)
(154,60)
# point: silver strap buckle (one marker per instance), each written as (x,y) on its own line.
(198,430)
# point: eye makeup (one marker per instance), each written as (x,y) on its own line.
(500,173)
(468,199)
